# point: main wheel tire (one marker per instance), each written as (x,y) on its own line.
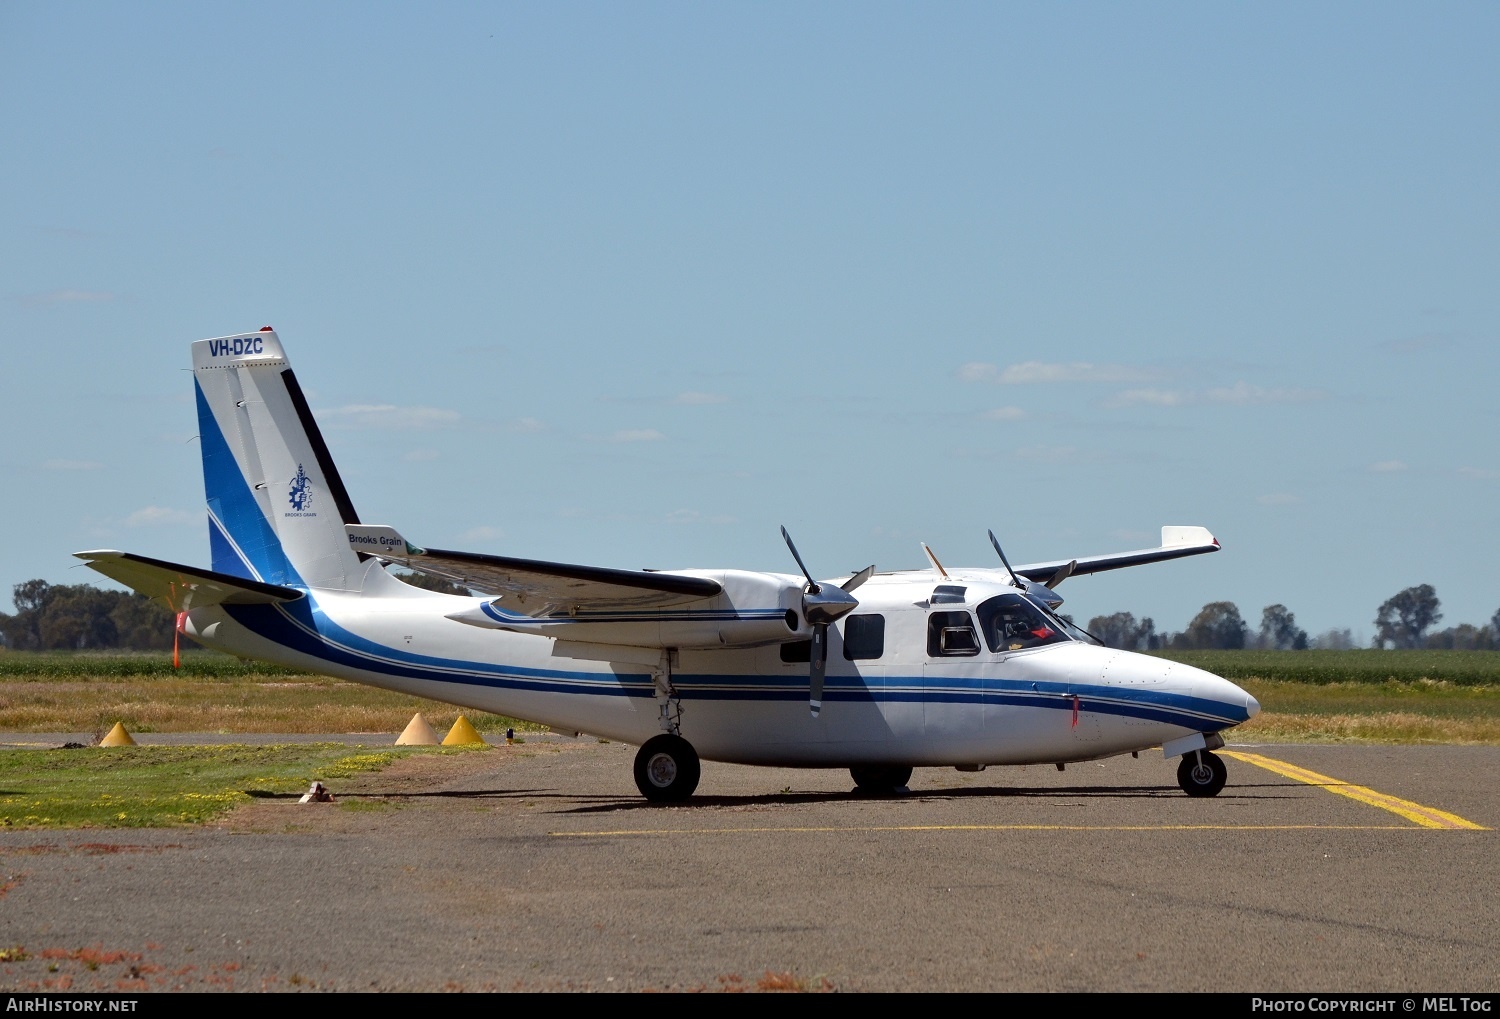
(667,769)
(1201,773)
(880,778)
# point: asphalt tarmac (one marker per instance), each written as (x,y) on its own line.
(538,867)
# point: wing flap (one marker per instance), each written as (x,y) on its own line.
(181,588)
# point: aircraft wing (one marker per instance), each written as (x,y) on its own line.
(179,587)
(1176,542)
(532,587)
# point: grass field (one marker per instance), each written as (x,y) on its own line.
(1377,696)
(89,692)
(1461,668)
(153,787)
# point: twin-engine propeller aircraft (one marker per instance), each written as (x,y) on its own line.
(875,672)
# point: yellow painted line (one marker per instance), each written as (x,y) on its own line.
(984,827)
(1427,817)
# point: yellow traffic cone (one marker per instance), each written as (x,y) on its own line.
(117,737)
(417,733)
(462,733)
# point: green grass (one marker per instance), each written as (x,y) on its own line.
(155,787)
(46,665)
(1463,668)
(88,692)
(1429,711)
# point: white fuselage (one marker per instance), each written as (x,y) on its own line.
(1067,701)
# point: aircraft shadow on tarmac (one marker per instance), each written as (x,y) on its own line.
(583,804)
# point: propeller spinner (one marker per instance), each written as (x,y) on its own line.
(822,604)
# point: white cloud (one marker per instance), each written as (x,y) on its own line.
(72,465)
(1419,343)
(692,399)
(1004,414)
(637,435)
(151,516)
(484,532)
(1387,466)
(1279,499)
(388,416)
(1150,398)
(52,297)
(1031,372)
(1478,473)
(420,455)
(527,425)
(1241,394)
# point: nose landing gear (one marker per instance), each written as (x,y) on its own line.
(880,779)
(1201,773)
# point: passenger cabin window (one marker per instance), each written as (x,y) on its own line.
(864,637)
(951,635)
(1012,623)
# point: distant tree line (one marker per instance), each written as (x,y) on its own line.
(1405,620)
(81,617)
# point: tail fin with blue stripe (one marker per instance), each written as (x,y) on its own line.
(276,505)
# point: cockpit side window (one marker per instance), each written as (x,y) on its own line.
(951,635)
(1011,623)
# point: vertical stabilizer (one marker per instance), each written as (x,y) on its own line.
(276,505)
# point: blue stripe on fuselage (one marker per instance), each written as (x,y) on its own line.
(303,627)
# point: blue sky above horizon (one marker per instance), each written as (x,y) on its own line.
(635,284)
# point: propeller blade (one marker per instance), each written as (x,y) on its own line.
(1014,579)
(822,604)
(817,668)
(1062,574)
(812,585)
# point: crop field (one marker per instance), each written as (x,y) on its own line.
(1460,668)
(85,692)
(1305,696)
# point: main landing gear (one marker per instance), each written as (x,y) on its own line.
(1201,773)
(667,769)
(880,779)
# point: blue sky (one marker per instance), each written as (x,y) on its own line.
(635,284)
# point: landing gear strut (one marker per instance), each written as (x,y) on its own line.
(1201,773)
(667,769)
(880,778)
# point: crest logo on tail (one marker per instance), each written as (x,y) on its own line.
(299,494)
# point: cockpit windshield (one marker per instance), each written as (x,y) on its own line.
(1011,622)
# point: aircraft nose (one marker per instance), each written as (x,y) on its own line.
(1237,704)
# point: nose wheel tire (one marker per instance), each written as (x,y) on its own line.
(1201,773)
(667,769)
(880,778)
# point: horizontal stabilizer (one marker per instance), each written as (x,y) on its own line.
(181,588)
